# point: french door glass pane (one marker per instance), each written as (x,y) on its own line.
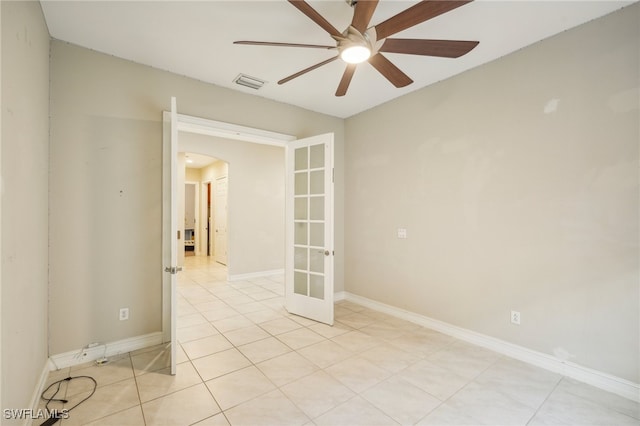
(300,283)
(317,182)
(317,208)
(316,261)
(300,261)
(316,286)
(300,234)
(301,184)
(317,156)
(300,209)
(301,160)
(317,234)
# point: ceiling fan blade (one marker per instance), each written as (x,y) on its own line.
(415,15)
(346,80)
(304,7)
(268,43)
(440,48)
(363,13)
(306,70)
(390,71)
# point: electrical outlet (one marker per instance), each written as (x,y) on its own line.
(515,317)
(402,233)
(124,314)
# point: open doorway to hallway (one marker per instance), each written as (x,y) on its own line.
(205,197)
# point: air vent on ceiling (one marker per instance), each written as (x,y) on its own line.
(248,81)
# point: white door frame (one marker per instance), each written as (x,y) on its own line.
(204,220)
(196,201)
(203,126)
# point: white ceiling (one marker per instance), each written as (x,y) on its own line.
(195,39)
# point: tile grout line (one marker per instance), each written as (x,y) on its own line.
(135,379)
(533,416)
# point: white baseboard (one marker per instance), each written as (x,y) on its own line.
(599,379)
(339,296)
(251,275)
(79,356)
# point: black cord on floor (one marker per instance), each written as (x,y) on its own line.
(56,414)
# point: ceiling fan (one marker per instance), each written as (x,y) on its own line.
(360,43)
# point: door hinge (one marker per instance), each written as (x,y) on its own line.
(333,175)
(173,269)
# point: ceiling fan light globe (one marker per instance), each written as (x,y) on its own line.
(355,54)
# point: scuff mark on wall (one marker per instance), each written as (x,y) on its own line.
(562,354)
(551,106)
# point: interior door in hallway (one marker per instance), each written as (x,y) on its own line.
(209,221)
(220,220)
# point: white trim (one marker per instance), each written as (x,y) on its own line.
(205,126)
(35,399)
(252,275)
(79,356)
(599,379)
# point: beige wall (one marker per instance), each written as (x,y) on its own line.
(193,175)
(518,184)
(25,127)
(255,200)
(105,182)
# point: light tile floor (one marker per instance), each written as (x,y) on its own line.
(243,360)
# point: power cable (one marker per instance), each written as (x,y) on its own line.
(57,415)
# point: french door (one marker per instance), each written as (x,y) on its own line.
(309,220)
(170,228)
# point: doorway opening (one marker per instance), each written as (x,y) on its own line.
(204,221)
(265,246)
